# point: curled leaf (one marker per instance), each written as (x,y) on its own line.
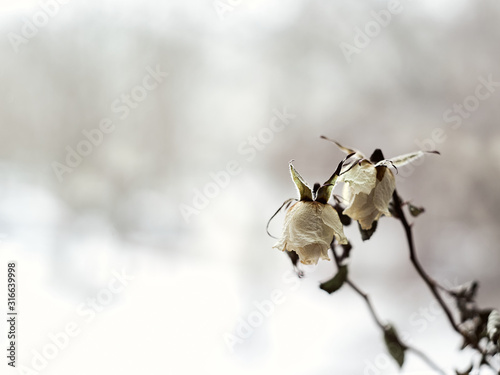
(366,234)
(377,156)
(285,204)
(347,150)
(346,253)
(394,345)
(415,211)
(325,191)
(344,219)
(305,193)
(402,160)
(336,282)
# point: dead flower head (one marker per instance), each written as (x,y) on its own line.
(311,223)
(370,184)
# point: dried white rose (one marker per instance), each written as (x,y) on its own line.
(310,225)
(309,230)
(369,185)
(368,190)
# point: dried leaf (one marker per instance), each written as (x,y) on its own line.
(305,193)
(376,156)
(346,252)
(467,290)
(415,211)
(284,205)
(336,282)
(366,234)
(394,345)
(343,148)
(325,191)
(402,160)
(294,257)
(344,219)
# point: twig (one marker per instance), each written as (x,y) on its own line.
(377,320)
(426,359)
(368,303)
(431,283)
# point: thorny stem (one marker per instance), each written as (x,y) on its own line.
(377,320)
(368,303)
(431,283)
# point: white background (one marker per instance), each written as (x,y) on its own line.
(194,282)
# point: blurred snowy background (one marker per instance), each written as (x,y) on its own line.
(199,106)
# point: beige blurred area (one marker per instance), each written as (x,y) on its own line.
(200,105)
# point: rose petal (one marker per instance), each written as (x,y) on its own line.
(331,218)
(361,178)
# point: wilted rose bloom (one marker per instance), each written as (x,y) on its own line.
(368,190)
(309,230)
(310,225)
(370,184)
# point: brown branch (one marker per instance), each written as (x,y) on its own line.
(431,283)
(366,297)
(426,359)
(377,320)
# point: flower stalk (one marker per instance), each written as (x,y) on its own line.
(313,226)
